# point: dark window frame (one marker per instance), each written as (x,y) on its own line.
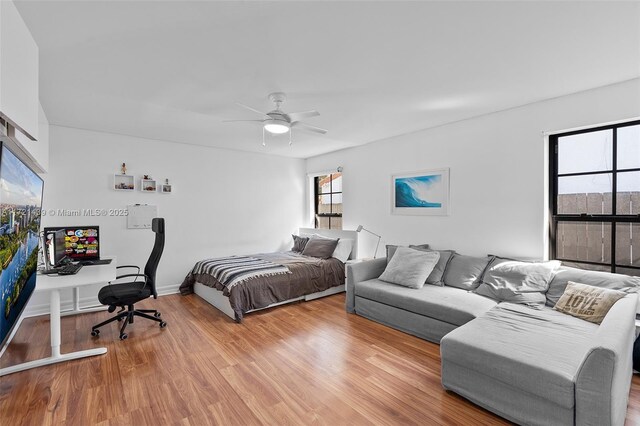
(316,194)
(613,218)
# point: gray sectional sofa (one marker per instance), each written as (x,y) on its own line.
(530,366)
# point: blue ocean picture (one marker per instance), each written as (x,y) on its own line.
(419,191)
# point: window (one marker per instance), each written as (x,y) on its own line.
(595,198)
(328,201)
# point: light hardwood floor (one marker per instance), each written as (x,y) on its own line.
(306,363)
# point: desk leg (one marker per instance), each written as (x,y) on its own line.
(54,322)
(76,309)
(56,356)
(76,298)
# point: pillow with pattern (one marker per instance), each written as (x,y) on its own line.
(587,302)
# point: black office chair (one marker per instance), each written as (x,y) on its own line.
(124,294)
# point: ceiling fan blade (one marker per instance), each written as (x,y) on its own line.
(308,127)
(252,109)
(303,114)
(232,121)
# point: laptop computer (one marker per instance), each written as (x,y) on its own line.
(81,244)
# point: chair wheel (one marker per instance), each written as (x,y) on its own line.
(95,333)
(123,336)
(163,324)
(157,315)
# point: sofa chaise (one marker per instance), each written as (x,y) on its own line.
(530,366)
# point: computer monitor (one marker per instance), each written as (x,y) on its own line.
(81,242)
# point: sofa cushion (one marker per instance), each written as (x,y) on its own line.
(409,267)
(587,302)
(564,274)
(518,282)
(435,277)
(391,249)
(447,304)
(538,351)
(465,272)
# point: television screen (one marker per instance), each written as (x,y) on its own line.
(81,242)
(20,203)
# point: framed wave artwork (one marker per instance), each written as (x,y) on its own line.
(421,193)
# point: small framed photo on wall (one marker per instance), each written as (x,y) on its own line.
(421,193)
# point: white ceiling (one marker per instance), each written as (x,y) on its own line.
(174,70)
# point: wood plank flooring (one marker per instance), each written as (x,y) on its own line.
(305,363)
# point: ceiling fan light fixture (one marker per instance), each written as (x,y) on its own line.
(277,127)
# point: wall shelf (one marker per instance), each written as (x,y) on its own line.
(148,185)
(123,182)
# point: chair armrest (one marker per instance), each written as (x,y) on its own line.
(604,378)
(358,272)
(128,266)
(131,275)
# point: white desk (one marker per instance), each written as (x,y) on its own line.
(88,275)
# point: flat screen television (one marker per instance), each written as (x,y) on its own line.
(20,204)
(80,242)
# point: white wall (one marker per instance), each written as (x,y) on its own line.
(498,174)
(224,202)
(38,149)
(18,70)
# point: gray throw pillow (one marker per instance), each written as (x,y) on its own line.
(465,272)
(518,282)
(409,267)
(391,249)
(299,243)
(320,247)
(594,278)
(435,277)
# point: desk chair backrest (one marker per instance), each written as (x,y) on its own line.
(157,226)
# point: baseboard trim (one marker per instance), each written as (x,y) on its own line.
(43,308)
(168,289)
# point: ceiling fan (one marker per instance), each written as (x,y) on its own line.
(279,122)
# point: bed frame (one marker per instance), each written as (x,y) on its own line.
(221,302)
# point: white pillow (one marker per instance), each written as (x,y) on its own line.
(321,236)
(409,267)
(518,282)
(343,249)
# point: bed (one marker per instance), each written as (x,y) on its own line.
(292,277)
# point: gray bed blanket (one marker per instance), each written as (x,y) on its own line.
(307,275)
